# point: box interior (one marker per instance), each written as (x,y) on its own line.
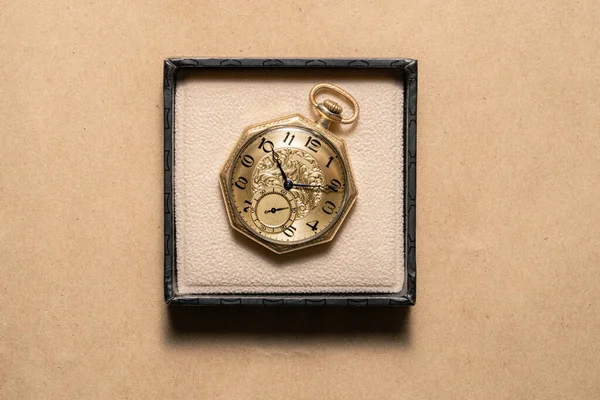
(212,107)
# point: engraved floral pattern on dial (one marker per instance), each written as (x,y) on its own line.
(300,167)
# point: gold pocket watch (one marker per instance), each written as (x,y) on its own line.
(288,183)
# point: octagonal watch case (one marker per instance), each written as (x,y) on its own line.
(288,183)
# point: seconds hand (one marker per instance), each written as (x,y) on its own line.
(287,184)
(274,210)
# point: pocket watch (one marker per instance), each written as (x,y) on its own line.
(288,183)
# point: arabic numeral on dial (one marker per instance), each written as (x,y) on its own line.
(247,207)
(313,144)
(248,161)
(313,225)
(241,183)
(266,145)
(329,162)
(334,185)
(289,232)
(329,207)
(291,138)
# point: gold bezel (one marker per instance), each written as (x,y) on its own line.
(249,133)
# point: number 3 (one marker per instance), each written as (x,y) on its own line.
(329,207)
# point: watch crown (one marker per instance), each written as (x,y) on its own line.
(332,106)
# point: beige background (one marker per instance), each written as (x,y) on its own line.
(508,232)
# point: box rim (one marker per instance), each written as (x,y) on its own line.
(407,297)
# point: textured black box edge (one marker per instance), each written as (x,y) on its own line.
(410,77)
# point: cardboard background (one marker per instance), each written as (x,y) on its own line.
(508,234)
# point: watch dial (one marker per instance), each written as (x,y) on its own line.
(304,207)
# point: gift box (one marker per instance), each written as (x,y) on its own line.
(370,262)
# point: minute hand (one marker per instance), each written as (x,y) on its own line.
(301,185)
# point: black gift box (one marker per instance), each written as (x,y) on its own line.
(406,71)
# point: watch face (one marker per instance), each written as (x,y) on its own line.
(288,185)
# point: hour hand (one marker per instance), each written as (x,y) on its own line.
(276,158)
(287,184)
